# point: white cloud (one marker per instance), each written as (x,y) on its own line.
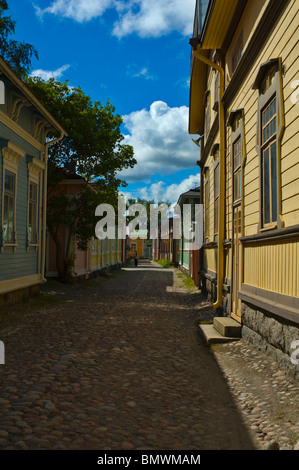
(154,18)
(47,74)
(161,192)
(144,72)
(77,10)
(146,18)
(161,141)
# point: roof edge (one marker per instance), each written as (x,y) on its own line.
(6,68)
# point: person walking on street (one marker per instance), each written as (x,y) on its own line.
(136,258)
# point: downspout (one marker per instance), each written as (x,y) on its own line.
(45,197)
(220,264)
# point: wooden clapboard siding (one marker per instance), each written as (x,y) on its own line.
(262,261)
(210,259)
(282,42)
(18,262)
(227,263)
(271,266)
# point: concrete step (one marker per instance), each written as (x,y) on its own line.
(210,335)
(227,326)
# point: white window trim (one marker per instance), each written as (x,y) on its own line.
(11,154)
(35,168)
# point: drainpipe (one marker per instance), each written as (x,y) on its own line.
(45,197)
(220,267)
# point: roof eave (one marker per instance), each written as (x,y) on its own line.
(18,82)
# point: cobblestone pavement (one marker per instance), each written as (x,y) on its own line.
(117,363)
(267,397)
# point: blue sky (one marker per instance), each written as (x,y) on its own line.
(136,54)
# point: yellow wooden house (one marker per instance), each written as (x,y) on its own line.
(137,244)
(244,109)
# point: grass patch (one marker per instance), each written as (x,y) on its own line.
(180,275)
(188,281)
(164,263)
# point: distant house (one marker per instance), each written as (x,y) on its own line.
(244,107)
(165,247)
(188,258)
(137,244)
(24,126)
(100,255)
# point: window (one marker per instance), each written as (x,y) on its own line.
(207,116)
(35,168)
(216,91)
(11,154)
(269,163)
(268,80)
(206,206)
(216,198)
(32,213)
(236,122)
(237,170)
(236,59)
(237,53)
(9,207)
(270,127)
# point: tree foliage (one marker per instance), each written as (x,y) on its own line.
(94,143)
(147,204)
(17,54)
(93,149)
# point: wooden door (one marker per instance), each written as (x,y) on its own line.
(236,303)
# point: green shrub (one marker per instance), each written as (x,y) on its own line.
(189,282)
(165,263)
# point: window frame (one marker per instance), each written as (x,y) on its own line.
(207,123)
(206,206)
(9,195)
(35,169)
(11,155)
(33,203)
(237,51)
(216,90)
(266,94)
(216,195)
(237,170)
(216,198)
(267,145)
(236,122)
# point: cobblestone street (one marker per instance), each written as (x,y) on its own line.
(116,363)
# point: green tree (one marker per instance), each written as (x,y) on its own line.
(147,204)
(17,54)
(93,149)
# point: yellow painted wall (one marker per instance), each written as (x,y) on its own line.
(270,266)
(140,247)
(105,252)
(210,259)
(282,43)
(274,267)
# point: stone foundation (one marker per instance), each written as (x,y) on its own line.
(272,335)
(226,305)
(209,288)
